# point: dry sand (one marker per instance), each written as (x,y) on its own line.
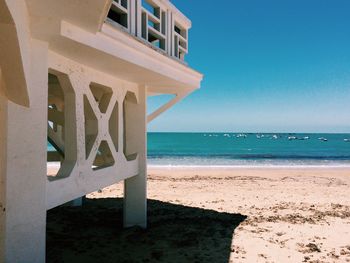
(214,215)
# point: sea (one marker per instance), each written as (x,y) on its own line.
(248,149)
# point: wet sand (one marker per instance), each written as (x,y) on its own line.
(214,215)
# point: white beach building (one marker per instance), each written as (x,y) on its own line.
(76,74)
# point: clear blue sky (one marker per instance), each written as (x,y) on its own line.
(269,66)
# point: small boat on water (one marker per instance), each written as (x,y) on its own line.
(346,140)
(292,138)
(241,135)
(323,139)
(275,137)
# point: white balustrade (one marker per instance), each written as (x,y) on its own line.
(156,22)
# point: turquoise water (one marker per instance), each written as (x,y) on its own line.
(250,149)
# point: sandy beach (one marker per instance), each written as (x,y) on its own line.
(213,215)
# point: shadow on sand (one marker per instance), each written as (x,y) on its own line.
(176,233)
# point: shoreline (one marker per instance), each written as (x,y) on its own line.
(230,167)
(245,167)
(52,168)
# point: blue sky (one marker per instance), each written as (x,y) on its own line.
(269,66)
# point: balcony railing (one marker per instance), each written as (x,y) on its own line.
(156,22)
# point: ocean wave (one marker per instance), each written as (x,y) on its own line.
(251,156)
(201,161)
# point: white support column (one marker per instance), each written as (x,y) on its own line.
(135,188)
(23,168)
(3,159)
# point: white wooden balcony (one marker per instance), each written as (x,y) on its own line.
(156,22)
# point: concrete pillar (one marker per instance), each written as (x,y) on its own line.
(23,168)
(135,188)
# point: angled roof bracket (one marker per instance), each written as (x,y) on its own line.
(178,97)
